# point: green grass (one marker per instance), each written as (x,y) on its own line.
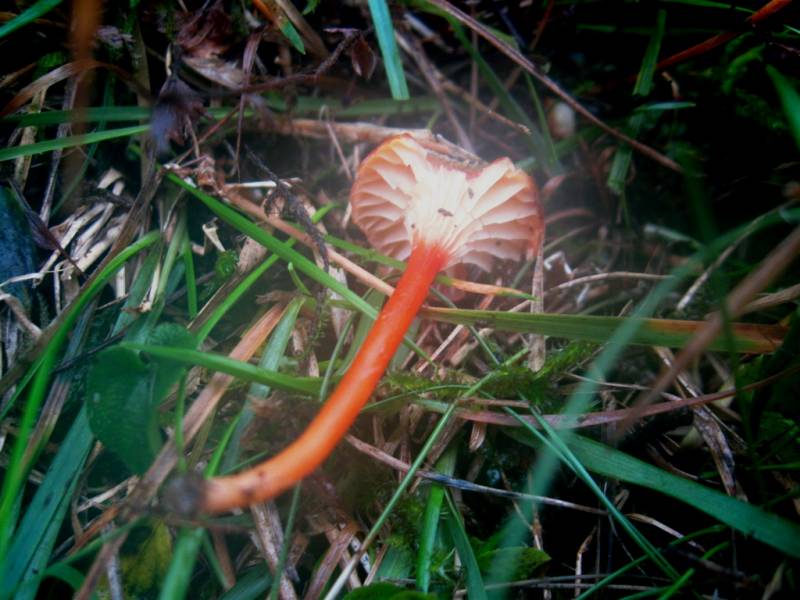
(182,311)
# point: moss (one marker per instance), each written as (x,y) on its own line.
(404,522)
(450,387)
(48,62)
(225,266)
(567,358)
(510,382)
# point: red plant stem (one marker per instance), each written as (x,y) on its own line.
(765,12)
(307,452)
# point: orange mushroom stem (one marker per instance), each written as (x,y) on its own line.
(418,206)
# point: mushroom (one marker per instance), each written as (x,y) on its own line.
(429,210)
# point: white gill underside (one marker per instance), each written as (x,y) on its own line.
(403,199)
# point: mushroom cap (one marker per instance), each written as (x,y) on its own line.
(405,194)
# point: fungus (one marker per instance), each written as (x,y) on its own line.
(424,208)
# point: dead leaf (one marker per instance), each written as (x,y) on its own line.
(177,105)
(206,34)
(363,58)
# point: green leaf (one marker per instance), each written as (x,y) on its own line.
(253,584)
(618,174)
(33,12)
(270,358)
(396,564)
(69,575)
(662,106)
(527,559)
(455,527)
(311,6)
(644,80)
(382,591)
(182,563)
(70,141)
(649,332)
(237,368)
(33,541)
(121,412)
(384,30)
(790,99)
(42,371)
(288,30)
(124,393)
(303,105)
(430,520)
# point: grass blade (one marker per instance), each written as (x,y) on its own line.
(430,521)
(270,358)
(30,550)
(648,332)
(384,30)
(558,446)
(304,105)
(189,541)
(288,30)
(71,141)
(475,585)
(644,80)
(15,473)
(790,99)
(32,13)
(237,368)
(618,174)
(284,251)
(271,243)
(746,518)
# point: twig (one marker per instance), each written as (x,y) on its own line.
(415,50)
(268,537)
(594,419)
(231,194)
(16,307)
(765,12)
(776,299)
(300,78)
(55,160)
(606,276)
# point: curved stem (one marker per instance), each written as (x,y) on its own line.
(307,452)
